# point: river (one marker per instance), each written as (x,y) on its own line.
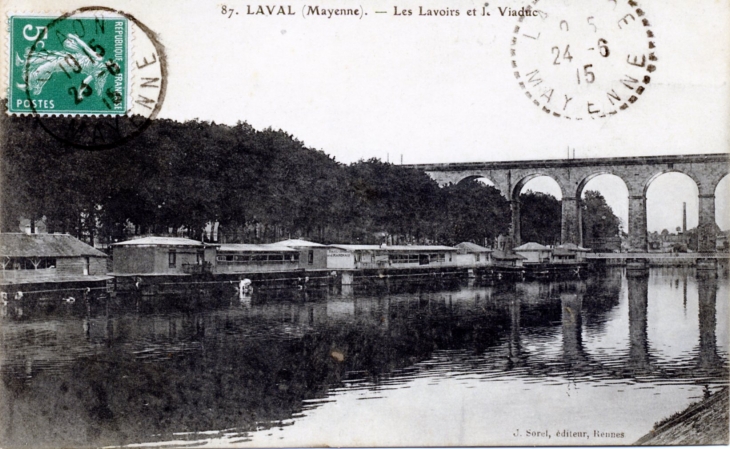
(592,361)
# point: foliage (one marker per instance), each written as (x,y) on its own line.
(599,221)
(475,212)
(540,218)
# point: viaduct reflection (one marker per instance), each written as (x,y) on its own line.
(579,300)
(638,286)
(516,356)
(708,357)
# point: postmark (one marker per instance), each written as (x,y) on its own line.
(583,60)
(94,78)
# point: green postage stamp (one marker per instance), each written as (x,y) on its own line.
(69,65)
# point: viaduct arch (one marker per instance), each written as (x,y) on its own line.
(573,174)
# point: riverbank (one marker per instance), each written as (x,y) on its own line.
(703,423)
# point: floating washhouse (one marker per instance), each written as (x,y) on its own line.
(161,256)
(249,258)
(507,259)
(312,256)
(534,253)
(364,257)
(176,256)
(472,255)
(569,253)
(49,258)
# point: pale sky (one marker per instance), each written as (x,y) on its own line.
(433,89)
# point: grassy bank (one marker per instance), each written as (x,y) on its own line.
(705,422)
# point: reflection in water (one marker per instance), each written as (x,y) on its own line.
(571,302)
(638,301)
(128,370)
(684,290)
(707,292)
(516,356)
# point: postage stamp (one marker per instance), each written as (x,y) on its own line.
(76,65)
(96,62)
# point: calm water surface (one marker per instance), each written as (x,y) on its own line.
(462,364)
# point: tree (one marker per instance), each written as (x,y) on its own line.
(541,216)
(474,212)
(599,221)
(399,201)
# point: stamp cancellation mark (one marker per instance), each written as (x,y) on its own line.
(585,59)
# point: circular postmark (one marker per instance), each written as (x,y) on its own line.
(94,78)
(583,59)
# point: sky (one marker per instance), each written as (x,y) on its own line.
(434,89)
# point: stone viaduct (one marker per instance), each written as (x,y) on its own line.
(573,174)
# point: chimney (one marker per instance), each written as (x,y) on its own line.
(684,218)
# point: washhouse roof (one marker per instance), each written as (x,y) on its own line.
(299,243)
(160,241)
(532,246)
(45,245)
(249,247)
(473,247)
(404,248)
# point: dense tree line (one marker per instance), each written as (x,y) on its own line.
(260,186)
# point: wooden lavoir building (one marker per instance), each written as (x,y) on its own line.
(160,256)
(42,258)
(175,256)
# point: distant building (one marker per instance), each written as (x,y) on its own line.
(504,243)
(211,231)
(534,252)
(39,227)
(605,244)
(721,242)
(28,258)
